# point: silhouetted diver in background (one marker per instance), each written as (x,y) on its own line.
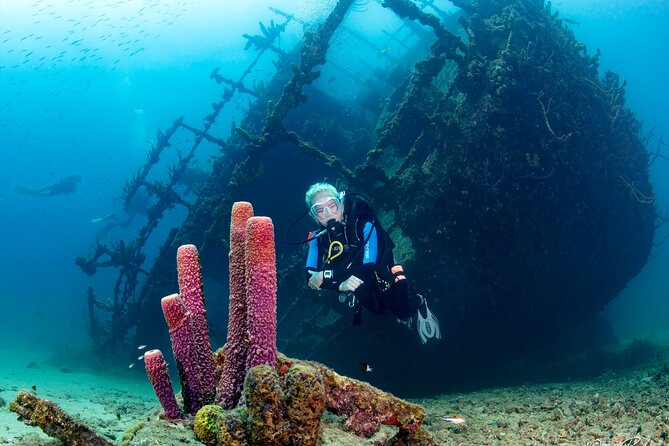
(191,179)
(64,186)
(138,206)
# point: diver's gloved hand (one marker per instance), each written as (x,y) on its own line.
(316,280)
(351,284)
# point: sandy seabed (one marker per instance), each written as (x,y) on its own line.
(630,407)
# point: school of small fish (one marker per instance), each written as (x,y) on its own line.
(60,49)
(140,357)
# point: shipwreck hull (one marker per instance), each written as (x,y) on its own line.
(534,199)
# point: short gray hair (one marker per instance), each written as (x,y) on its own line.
(316,189)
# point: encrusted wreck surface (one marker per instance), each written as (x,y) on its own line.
(54,421)
(511,177)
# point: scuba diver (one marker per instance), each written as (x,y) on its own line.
(351,254)
(138,206)
(191,180)
(64,186)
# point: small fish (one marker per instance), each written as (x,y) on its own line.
(101,219)
(34,388)
(141,347)
(139,358)
(366,368)
(131,365)
(382,52)
(454,420)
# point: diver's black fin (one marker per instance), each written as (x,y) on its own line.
(24,190)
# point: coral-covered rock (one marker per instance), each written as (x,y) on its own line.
(266,406)
(232,427)
(217,426)
(419,438)
(305,400)
(366,406)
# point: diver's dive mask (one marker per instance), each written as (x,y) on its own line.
(326,208)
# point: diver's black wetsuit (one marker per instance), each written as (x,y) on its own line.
(64,186)
(372,264)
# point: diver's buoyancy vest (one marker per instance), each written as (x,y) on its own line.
(339,250)
(357,212)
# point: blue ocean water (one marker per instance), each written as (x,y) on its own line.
(85,85)
(634,41)
(84,88)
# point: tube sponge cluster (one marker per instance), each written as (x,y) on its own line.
(252,326)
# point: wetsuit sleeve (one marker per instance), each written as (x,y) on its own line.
(312,257)
(371,251)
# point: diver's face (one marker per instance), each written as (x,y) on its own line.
(325,207)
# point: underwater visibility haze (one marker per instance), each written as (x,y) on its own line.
(514,151)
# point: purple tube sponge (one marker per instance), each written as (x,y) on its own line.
(156,369)
(234,368)
(183,347)
(261,292)
(191,291)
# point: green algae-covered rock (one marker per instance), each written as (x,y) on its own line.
(206,423)
(129,434)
